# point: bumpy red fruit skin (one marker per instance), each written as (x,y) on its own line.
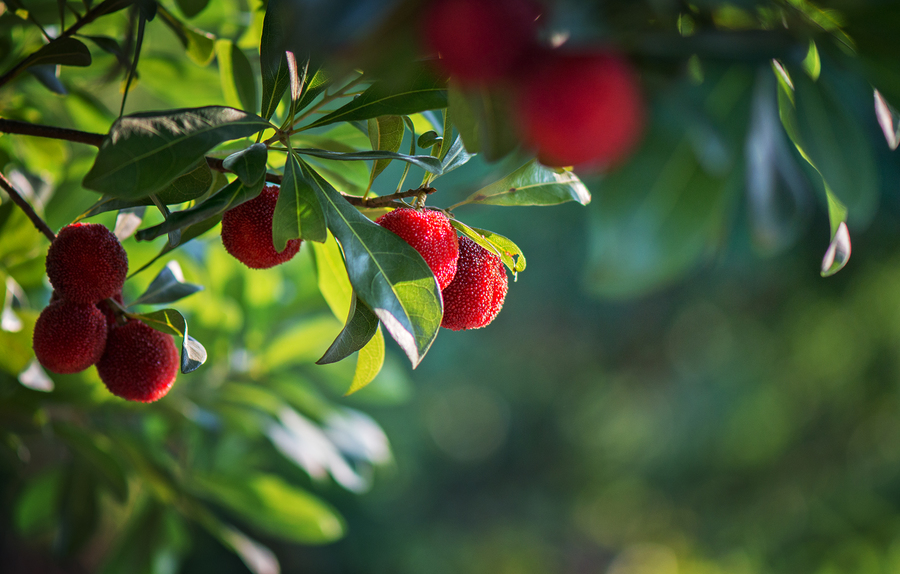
(247,232)
(580,109)
(479,40)
(476,294)
(139,364)
(69,337)
(86,263)
(429,232)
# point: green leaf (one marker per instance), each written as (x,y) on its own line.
(62,51)
(428,163)
(505,249)
(191,8)
(236,74)
(429,139)
(145,152)
(111,46)
(273,64)
(484,122)
(455,157)
(95,450)
(298,212)
(533,184)
(47,76)
(388,274)
(422,92)
(357,332)
(167,287)
(200,46)
(464,119)
(34,511)
(368,362)
(386,134)
(274,507)
(332,276)
(249,164)
(838,252)
(317,81)
(170,321)
(227,198)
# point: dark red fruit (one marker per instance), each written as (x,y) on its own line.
(429,232)
(108,311)
(476,294)
(69,337)
(247,232)
(479,40)
(140,363)
(580,109)
(86,263)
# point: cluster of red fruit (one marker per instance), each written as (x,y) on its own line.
(472,280)
(87,265)
(579,107)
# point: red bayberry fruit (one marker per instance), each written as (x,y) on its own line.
(108,311)
(580,109)
(69,337)
(479,40)
(247,232)
(139,364)
(476,294)
(429,232)
(86,263)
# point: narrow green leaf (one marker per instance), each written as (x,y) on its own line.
(249,164)
(110,46)
(167,287)
(428,163)
(191,8)
(272,64)
(274,507)
(145,152)
(838,252)
(332,276)
(501,246)
(199,46)
(172,322)
(368,362)
(298,212)
(228,197)
(62,51)
(47,76)
(388,274)
(187,234)
(533,184)
(422,92)
(317,81)
(385,134)
(357,332)
(447,135)
(455,157)
(238,80)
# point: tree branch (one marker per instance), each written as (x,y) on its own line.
(17,198)
(41,131)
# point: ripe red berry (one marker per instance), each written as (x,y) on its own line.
(429,232)
(140,363)
(580,109)
(69,337)
(476,294)
(86,263)
(479,40)
(247,232)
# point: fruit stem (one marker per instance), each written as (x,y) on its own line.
(17,198)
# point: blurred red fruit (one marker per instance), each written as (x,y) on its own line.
(247,232)
(580,109)
(429,232)
(476,294)
(139,364)
(69,337)
(86,263)
(479,40)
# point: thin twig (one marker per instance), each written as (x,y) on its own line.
(42,131)
(17,198)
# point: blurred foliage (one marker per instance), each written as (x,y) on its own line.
(672,390)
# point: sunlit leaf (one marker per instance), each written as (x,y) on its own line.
(368,363)
(171,321)
(385,134)
(501,246)
(426,162)
(167,287)
(236,75)
(533,184)
(298,213)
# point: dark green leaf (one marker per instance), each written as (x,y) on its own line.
(429,139)
(200,46)
(317,81)
(249,164)
(483,120)
(298,212)
(464,119)
(228,197)
(357,332)
(62,51)
(388,274)
(170,321)
(533,184)
(423,92)
(145,152)
(426,162)
(95,450)
(272,62)
(147,8)
(167,287)
(506,250)
(385,134)
(46,75)
(455,157)
(110,46)
(187,234)
(274,507)
(35,509)
(191,8)
(236,74)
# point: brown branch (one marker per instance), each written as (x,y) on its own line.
(41,131)
(89,16)
(17,198)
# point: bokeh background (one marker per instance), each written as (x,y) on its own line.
(671,387)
